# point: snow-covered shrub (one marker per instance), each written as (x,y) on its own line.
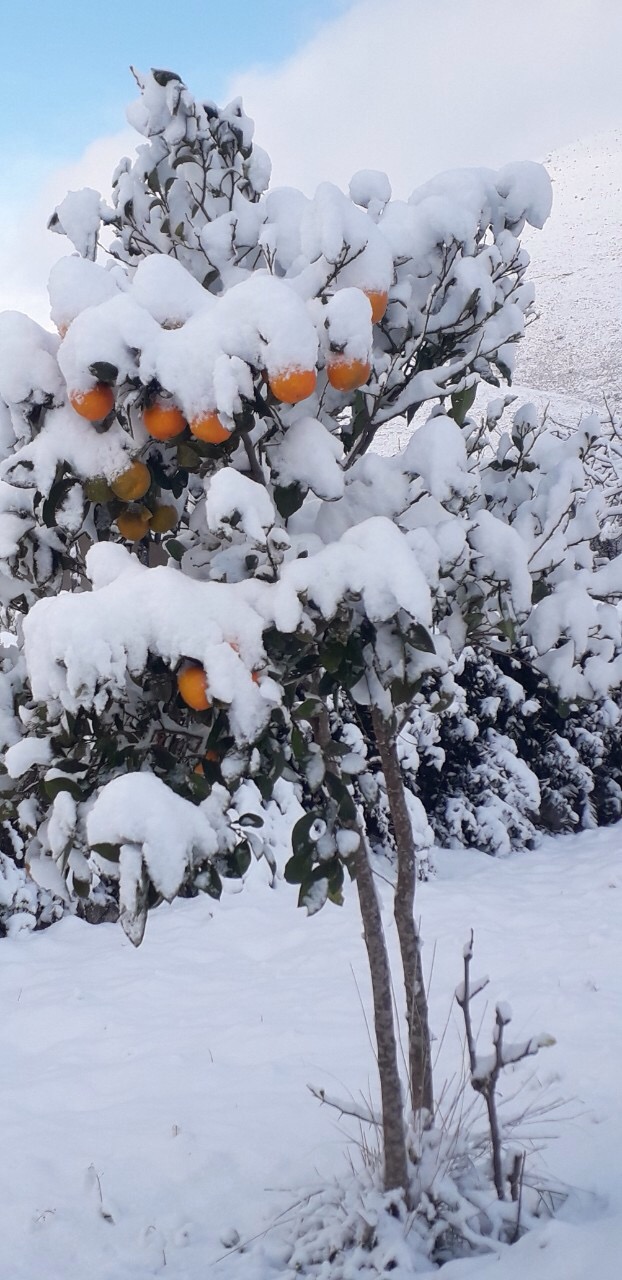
(508,758)
(477,789)
(268,543)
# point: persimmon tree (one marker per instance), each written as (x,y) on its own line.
(226,602)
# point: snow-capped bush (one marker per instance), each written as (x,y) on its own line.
(275,558)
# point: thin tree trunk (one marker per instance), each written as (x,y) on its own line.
(393,1128)
(419,1047)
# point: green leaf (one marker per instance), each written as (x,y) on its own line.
(55,500)
(340,793)
(419,637)
(187,457)
(53,786)
(462,401)
(277,766)
(473,621)
(104,372)
(250,820)
(176,550)
(165,77)
(302,844)
(332,655)
(539,591)
(298,743)
(296,869)
(165,760)
(288,499)
(112,852)
(335,896)
(199,786)
(310,898)
(326,685)
(243,857)
(508,629)
(214,885)
(308,709)
(442,704)
(264,785)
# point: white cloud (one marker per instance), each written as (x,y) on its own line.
(416,86)
(408,86)
(27,248)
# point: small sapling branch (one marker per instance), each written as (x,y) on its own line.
(486,1070)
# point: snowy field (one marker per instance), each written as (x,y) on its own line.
(153,1102)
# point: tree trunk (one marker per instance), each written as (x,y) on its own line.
(393,1128)
(419,1047)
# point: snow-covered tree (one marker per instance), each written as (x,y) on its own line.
(229,611)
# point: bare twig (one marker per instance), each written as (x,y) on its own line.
(485,1071)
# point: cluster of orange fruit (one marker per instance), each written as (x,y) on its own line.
(164,421)
(131,486)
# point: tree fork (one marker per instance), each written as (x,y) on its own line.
(393,1128)
(419,1047)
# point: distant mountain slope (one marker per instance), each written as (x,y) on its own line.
(575,348)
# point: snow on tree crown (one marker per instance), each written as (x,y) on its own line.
(210,402)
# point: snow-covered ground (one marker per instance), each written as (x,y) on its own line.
(152,1101)
(576,266)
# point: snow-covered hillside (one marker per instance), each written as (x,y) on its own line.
(575,347)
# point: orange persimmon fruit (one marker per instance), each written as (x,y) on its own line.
(134,525)
(346,375)
(379,301)
(164,421)
(292,385)
(164,519)
(192,686)
(133,483)
(209,429)
(95,404)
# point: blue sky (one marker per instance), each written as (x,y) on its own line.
(411,87)
(65,77)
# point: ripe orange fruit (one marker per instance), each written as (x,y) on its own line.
(164,519)
(134,525)
(164,421)
(379,302)
(209,429)
(132,484)
(95,404)
(346,375)
(293,385)
(192,686)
